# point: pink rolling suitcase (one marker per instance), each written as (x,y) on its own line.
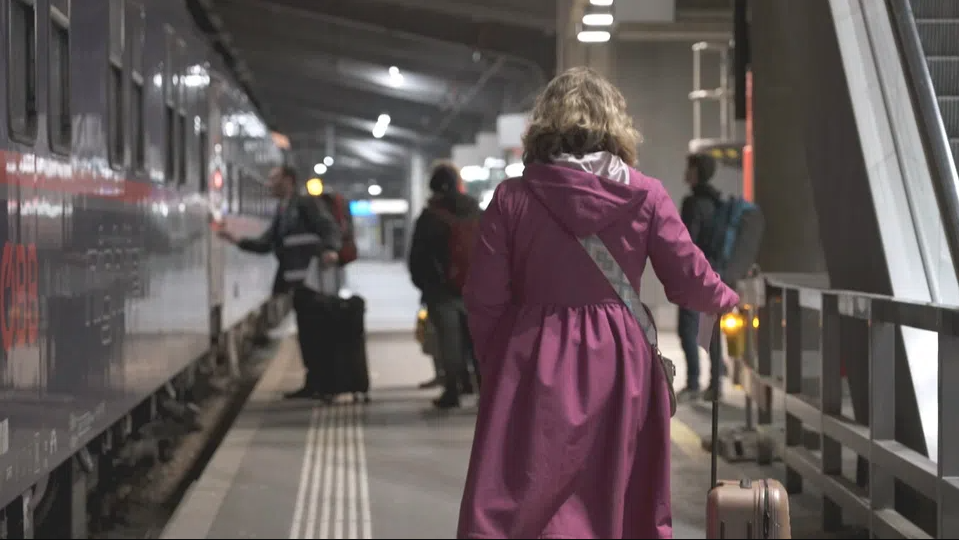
(744,508)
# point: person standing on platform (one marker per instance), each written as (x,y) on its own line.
(432,256)
(572,433)
(697,211)
(300,232)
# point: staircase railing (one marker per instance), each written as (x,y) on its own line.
(935,139)
(779,334)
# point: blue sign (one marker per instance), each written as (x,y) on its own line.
(361,208)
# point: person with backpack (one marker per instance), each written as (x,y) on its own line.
(300,233)
(443,239)
(698,210)
(339,207)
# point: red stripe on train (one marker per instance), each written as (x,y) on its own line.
(39,172)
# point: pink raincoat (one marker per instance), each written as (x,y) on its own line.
(572,437)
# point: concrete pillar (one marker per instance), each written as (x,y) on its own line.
(416,191)
(569,51)
(417,184)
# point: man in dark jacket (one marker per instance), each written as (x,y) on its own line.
(697,212)
(301,230)
(429,259)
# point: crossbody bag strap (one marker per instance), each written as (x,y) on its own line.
(616,277)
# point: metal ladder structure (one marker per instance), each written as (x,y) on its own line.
(723,146)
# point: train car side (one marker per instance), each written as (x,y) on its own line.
(108,300)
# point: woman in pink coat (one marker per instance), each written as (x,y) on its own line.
(572,438)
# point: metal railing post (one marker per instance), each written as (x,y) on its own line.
(793,380)
(947,469)
(882,413)
(830,399)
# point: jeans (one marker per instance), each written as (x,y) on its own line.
(688,328)
(448,316)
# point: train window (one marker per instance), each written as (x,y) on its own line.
(182,164)
(202,145)
(60,121)
(170,123)
(136,120)
(115,95)
(169,128)
(230,173)
(115,100)
(238,192)
(134,34)
(22,70)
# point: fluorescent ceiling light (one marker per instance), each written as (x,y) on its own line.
(396,78)
(494,163)
(601,2)
(514,170)
(593,36)
(374,190)
(379,130)
(598,19)
(474,173)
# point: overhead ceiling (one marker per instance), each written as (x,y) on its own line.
(319,63)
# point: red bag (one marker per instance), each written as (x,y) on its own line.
(463,233)
(340,208)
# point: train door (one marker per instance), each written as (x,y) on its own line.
(213,140)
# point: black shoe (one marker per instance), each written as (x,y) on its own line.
(446,401)
(302,393)
(687,394)
(433,383)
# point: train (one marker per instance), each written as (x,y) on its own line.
(124,132)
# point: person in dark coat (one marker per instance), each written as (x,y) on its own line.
(697,210)
(428,262)
(301,230)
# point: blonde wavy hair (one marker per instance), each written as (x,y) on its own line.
(580,112)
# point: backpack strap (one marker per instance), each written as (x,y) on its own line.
(445,215)
(616,277)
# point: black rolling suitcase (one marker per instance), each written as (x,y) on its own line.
(350,373)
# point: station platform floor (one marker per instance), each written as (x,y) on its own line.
(393,468)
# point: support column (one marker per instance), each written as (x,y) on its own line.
(416,190)
(569,51)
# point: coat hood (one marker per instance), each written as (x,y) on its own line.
(586,194)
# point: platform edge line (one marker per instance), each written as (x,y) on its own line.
(685,439)
(194,519)
(306,472)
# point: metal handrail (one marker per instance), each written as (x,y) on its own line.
(779,304)
(935,139)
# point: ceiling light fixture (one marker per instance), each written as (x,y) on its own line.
(514,170)
(319,168)
(598,19)
(593,36)
(601,2)
(396,78)
(379,130)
